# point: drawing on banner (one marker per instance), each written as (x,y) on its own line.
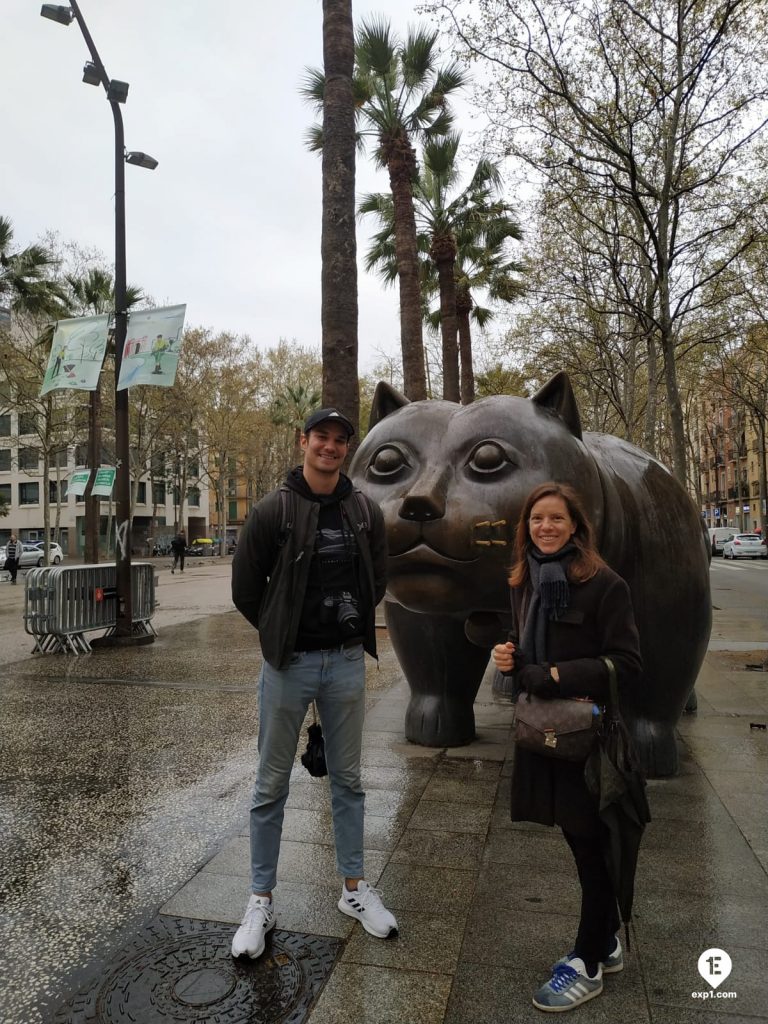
(152,347)
(77,352)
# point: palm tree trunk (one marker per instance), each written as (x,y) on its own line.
(401,165)
(465,358)
(339,312)
(448,322)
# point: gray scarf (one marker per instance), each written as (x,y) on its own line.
(550,598)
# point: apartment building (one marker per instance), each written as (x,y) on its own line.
(156,511)
(729,466)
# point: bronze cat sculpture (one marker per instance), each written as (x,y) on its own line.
(451,481)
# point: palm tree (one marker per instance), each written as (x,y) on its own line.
(402,98)
(461,244)
(25,277)
(338,246)
(292,409)
(483,262)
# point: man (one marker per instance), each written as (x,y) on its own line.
(179,549)
(12,556)
(308,576)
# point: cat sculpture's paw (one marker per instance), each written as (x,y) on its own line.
(439,721)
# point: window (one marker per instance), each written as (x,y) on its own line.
(5,460)
(232,514)
(193,467)
(5,494)
(27,422)
(231,487)
(28,458)
(158,465)
(193,497)
(29,494)
(158,492)
(141,494)
(5,424)
(52,490)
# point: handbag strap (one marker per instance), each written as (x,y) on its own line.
(613,687)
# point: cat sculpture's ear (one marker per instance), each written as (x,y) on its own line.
(557,395)
(386,400)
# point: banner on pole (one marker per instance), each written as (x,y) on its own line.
(104,481)
(152,346)
(78,481)
(77,353)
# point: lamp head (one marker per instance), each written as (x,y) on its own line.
(91,74)
(54,12)
(141,160)
(117,92)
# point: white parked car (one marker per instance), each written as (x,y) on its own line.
(745,545)
(34,554)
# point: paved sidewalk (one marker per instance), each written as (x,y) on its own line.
(125,791)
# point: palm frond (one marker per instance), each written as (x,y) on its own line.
(312,86)
(376,47)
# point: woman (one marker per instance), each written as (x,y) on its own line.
(570,608)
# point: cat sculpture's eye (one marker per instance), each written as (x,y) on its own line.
(387,461)
(488,457)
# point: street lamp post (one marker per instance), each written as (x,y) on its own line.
(94,73)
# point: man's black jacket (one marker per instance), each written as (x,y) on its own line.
(270,569)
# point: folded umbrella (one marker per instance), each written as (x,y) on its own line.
(613,776)
(313,757)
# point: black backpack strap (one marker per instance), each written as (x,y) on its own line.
(287,513)
(364,511)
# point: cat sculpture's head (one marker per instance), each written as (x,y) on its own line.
(451,481)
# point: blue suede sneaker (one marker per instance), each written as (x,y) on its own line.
(569,987)
(612,965)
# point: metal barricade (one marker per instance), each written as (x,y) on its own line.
(63,603)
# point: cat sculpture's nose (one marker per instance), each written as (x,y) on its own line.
(421,508)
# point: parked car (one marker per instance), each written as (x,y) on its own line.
(718,535)
(34,554)
(745,545)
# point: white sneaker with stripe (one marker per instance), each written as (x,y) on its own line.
(364,904)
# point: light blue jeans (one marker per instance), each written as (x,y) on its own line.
(336,681)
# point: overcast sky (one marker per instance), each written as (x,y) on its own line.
(230,221)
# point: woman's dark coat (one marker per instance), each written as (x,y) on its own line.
(598,621)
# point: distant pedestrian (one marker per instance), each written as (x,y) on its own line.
(12,553)
(179,549)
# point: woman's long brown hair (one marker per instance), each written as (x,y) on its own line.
(585,562)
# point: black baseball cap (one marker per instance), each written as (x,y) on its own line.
(321,415)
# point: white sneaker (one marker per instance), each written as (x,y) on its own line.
(259,919)
(364,904)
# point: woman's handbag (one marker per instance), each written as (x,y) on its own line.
(562,727)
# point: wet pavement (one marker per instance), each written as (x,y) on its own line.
(124,783)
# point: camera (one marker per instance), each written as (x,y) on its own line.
(342,608)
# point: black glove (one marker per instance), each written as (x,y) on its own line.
(536,679)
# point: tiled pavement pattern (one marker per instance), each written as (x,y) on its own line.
(124,791)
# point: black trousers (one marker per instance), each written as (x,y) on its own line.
(12,565)
(178,556)
(596,938)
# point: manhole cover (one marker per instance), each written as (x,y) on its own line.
(179,970)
